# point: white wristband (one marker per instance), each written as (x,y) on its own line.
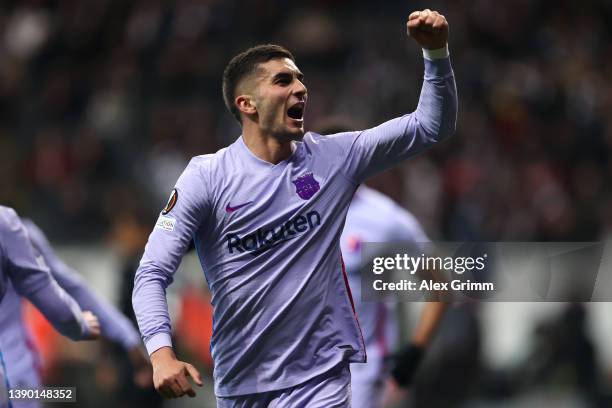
(439,53)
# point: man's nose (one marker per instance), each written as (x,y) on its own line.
(300,89)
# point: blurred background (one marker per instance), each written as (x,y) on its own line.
(103,102)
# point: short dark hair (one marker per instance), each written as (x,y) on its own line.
(243,65)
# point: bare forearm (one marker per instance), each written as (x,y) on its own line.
(430,319)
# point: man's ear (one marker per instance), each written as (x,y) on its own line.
(246,104)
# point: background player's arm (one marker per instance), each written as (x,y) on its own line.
(409,358)
(165,248)
(430,319)
(114,326)
(31,279)
(376,149)
(407,361)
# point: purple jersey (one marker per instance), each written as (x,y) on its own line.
(20,357)
(268,240)
(4,385)
(374,217)
(114,326)
(24,267)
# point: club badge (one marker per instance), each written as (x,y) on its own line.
(171,202)
(306,186)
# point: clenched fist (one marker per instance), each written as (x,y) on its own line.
(170,375)
(428,28)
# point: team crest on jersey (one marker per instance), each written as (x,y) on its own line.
(306,186)
(171,202)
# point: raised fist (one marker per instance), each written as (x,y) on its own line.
(428,28)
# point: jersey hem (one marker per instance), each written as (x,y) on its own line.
(277,386)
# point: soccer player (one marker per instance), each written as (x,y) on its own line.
(4,385)
(23,267)
(20,358)
(266,214)
(373,217)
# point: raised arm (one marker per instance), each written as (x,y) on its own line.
(168,242)
(436,114)
(31,278)
(113,325)
(373,150)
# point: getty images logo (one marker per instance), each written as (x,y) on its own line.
(264,239)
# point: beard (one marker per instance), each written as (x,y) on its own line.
(281,130)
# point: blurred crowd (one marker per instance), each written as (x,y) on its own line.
(103,102)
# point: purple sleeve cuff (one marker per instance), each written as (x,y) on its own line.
(158,341)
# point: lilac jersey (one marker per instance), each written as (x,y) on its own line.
(20,357)
(268,240)
(374,217)
(4,385)
(24,267)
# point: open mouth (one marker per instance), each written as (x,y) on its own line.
(296,112)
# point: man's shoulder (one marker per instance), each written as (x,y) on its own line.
(206,162)
(387,209)
(9,220)
(10,224)
(332,144)
(317,138)
(377,200)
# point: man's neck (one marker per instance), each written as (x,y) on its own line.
(266,147)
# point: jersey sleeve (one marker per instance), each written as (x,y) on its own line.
(168,242)
(31,278)
(113,325)
(370,151)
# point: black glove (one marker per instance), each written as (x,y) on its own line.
(405,364)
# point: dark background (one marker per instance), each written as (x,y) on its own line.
(103,102)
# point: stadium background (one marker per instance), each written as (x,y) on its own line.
(102,102)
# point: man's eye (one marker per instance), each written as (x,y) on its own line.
(283,81)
